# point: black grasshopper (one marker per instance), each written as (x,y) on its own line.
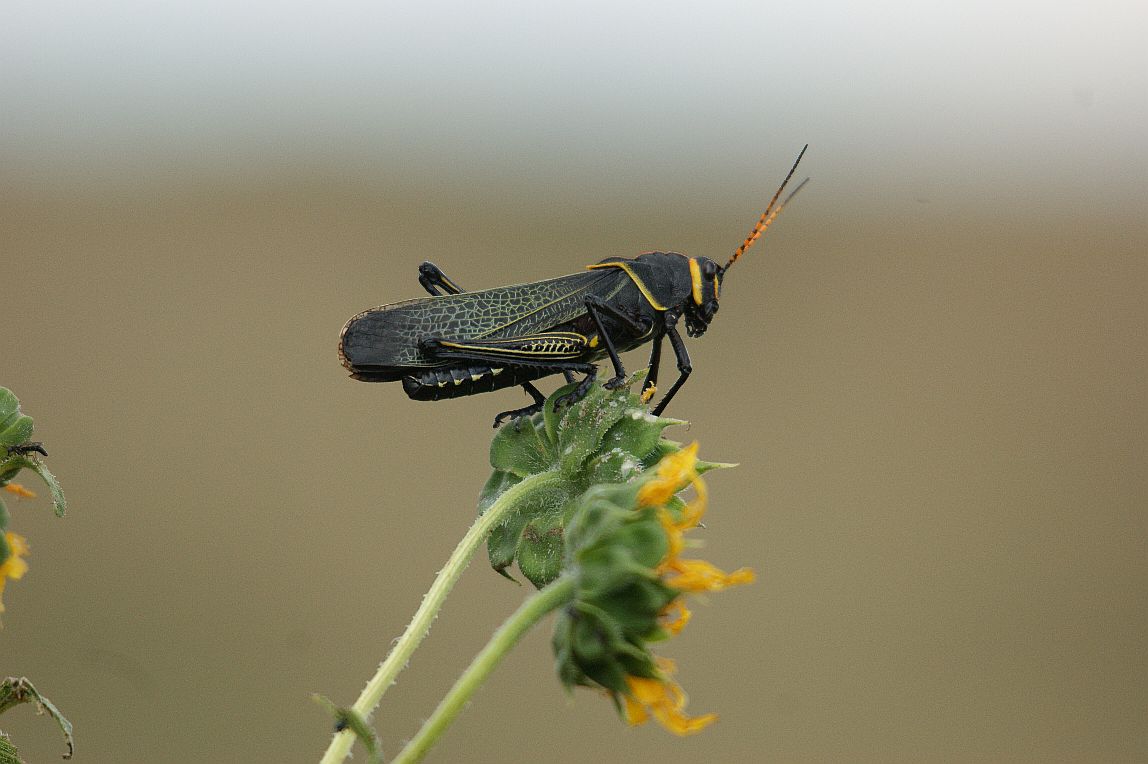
(458,343)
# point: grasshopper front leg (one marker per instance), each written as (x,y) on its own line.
(683,358)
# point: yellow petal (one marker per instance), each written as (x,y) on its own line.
(672,474)
(655,493)
(702,576)
(682,724)
(15,566)
(635,712)
(676,616)
(664,700)
(19,490)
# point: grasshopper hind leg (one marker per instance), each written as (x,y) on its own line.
(435,281)
(569,399)
(518,414)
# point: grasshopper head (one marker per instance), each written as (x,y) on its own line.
(705,279)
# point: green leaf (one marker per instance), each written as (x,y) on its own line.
(637,431)
(495,486)
(704,467)
(502,543)
(551,415)
(541,550)
(581,432)
(15,428)
(8,404)
(521,448)
(664,448)
(60,505)
(14,464)
(507,541)
(17,690)
(8,751)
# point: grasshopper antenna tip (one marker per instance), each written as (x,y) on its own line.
(772,210)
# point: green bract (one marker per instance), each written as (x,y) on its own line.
(607,437)
(613,552)
(15,691)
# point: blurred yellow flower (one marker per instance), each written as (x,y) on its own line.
(661,697)
(19,490)
(14,567)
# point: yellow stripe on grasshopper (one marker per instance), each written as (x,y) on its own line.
(696,280)
(645,290)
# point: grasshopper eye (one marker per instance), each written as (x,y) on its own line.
(709,268)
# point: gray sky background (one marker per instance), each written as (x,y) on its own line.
(588,90)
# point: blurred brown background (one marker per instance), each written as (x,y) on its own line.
(932,372)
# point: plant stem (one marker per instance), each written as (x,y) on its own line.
(432,602)
(529,613)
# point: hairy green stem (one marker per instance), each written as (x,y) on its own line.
(432,602)
(529,613)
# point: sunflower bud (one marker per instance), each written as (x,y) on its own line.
(614,550)
(623,547)
(607,437)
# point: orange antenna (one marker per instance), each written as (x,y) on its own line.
(771,212)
